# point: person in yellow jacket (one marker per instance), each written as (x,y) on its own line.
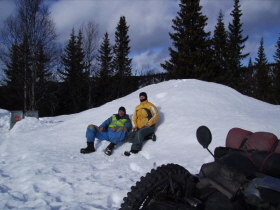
(144,118)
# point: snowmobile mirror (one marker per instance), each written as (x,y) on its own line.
(204,136)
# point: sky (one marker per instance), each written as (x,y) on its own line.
(41,167)
(150,22)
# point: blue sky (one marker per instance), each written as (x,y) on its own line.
(150,22)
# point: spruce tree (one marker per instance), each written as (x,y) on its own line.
(191,55)
(220,46)
(262,74)
(121,61)
(236,46)
(80,55)
(276,56)
(18,76)
(105,59)
(42,79)
(69,59)
(250,62)
(14,75)
(248,80)
(73,74)
(43,73)
(261,60)
(276,82)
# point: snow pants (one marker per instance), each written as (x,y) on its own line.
(137,137)
(109,135)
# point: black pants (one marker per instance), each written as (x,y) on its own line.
(137,137)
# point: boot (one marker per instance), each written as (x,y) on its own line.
(128,153)
(152,137)
(108,151)
(88,149)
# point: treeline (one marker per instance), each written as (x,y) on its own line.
(218,58)
(42,75)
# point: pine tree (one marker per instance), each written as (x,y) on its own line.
(248,80)
(220,46)
(42,64)
(16,75)
(191,56)
(73,74)
(262,74)
(250,77)
(105,60)
(121,61)
(236,46)
(250,62)
(46,92)
(276,71)
(13,71)
(261,60)
(68,59)
(277,52)
(80,55)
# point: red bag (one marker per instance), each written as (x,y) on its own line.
(238,138)
(262,148)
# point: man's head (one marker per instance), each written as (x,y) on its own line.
(122,111)
(143,96)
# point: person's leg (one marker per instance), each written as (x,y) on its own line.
(94,132)
(91,132)
(117,136)
(130,137)
(114,137)
(140,136)
(90,135)
(151,136)
(109,149)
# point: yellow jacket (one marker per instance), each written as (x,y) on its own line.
(144,113)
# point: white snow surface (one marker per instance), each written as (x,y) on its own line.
(40,163)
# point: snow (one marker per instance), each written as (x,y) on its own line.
(40,163)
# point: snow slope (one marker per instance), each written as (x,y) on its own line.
(40,163)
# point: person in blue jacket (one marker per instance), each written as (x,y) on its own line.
(114,129)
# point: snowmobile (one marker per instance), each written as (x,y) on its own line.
(245,174)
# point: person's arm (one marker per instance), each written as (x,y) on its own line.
(155,115)
(134,120)
(128,125)
(105,124)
